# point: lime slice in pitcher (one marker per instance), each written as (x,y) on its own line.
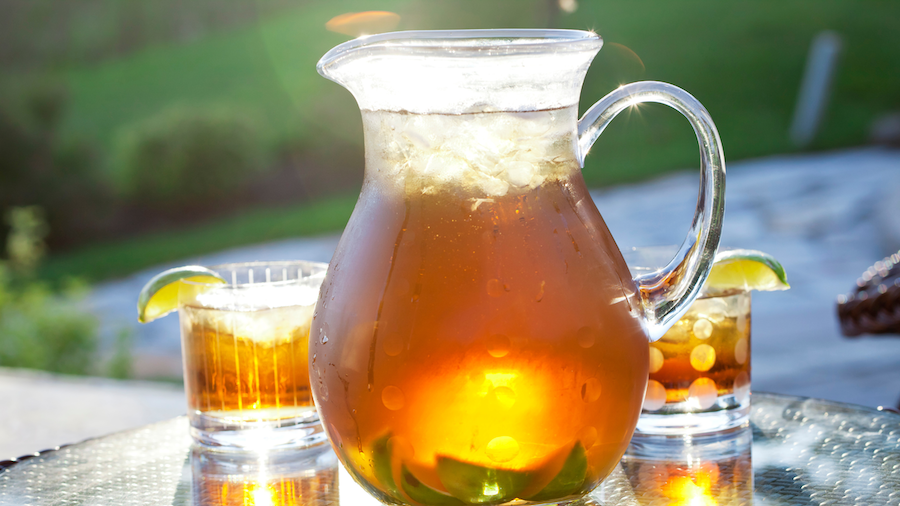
(159,296)
(746,269)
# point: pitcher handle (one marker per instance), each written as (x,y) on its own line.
(668,293)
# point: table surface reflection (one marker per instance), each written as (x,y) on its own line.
(803,451)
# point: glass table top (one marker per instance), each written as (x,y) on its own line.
(796,451)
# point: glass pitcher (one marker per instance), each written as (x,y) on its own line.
(478,337)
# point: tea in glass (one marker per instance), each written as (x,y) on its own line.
(700,369)
(245,347)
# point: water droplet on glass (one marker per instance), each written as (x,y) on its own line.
(502,449)
(741,350)
(505,396)
(324,337)
(587,436)
(703,357)
(393,345)
(393,398)
(742,386)
(656,359)
(655,397)
(586,337)
(498,345)
(494,287)
(702,328)
(703,393)
(590,390)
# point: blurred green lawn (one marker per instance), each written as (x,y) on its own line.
(743,60)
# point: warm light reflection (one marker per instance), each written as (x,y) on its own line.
(285,478)
(711,470)
(356,24)
(694,489)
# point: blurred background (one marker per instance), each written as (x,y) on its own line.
(135,132)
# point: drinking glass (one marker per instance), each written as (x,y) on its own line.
(700,368)
(245,348)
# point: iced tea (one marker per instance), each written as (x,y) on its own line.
(245,348)
(702,364)
(481,340)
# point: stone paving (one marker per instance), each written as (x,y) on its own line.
(826,217)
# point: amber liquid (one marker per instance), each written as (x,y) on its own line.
(473,348)
(704,356)
(247,366)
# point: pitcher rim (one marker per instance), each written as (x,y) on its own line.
(449,43)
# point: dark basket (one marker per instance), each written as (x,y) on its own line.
(874,306)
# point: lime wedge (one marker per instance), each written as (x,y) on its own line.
(159,296)
(381,465)
(423,494)
(747,270)
(475,484)
(569,479)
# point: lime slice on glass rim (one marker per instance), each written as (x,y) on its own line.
(159,296)
(746,269)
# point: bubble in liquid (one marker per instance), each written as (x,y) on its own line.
(393,398)
(703,357)
(498,345)
(702,328)
(590,390)
(494,287)
(655,397)
(586,337)
(587,436)
(656,359)
(502,449)
(400,448)
(703,393)
(505,396)
(393,345)
(742,386)
(741,350)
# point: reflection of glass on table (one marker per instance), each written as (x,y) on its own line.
(277,478)
(708,470)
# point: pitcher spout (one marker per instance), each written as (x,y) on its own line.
(464,71)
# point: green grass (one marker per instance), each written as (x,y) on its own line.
(742,60)
(120,258)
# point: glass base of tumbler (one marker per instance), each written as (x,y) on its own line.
(220,432)
(682,419)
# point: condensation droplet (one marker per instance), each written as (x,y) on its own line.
(393,398)
(586,337)
(590,390)
(703,357)
(656,359)
(505,396)
(498,345)
(502,449)
(702,328)
(400,448)
(393,345)
(703,393)
(494,287)
(741,350)
(742,386)
(324,337)
(587,436)
(655,397)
